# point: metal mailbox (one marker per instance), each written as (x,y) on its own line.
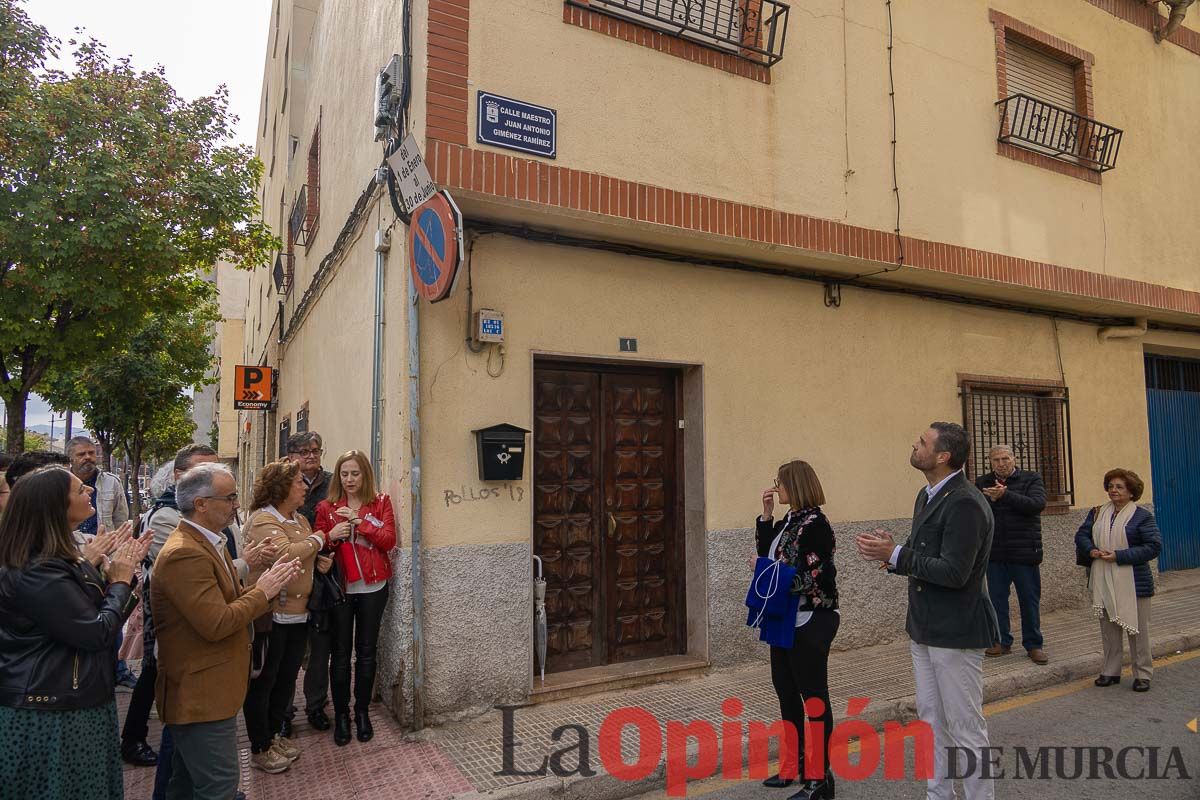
(501,451)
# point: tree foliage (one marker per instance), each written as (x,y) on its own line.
(134,399)
(115,196)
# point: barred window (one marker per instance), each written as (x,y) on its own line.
(285,433)
(1031,417)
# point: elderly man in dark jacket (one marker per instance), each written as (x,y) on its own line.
(1017,497)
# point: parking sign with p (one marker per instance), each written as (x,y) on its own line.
(253,388)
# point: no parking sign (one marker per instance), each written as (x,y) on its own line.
(435,246)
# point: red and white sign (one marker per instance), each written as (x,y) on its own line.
(435,246)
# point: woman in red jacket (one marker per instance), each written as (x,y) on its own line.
(360,529)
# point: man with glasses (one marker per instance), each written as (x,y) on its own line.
(306,449)
(203,617)
(160,522)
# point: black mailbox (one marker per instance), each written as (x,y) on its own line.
(501,452)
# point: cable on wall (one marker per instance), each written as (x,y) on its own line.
(895,171)
(482,226)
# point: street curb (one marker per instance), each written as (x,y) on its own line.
(1000,687)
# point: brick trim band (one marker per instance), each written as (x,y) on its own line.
(539,183)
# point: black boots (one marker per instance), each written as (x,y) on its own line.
(319,720)
(816,790)
(341,728)
(777,782)
(362,721)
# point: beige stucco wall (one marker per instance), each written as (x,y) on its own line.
(848,389)
(817,139)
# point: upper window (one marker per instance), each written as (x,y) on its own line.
(1046,108)
(1031,417)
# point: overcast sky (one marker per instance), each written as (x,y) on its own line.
(201,45)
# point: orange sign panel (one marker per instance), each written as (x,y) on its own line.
(253,387)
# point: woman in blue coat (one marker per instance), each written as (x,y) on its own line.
(1116,542)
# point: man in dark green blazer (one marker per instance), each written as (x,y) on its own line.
(950,617)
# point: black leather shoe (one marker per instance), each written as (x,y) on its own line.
(815,790)
(776,782)
(362,721)
(1108,680)
(319,720)
(1141,685)
(285,729)
(139,754)
(341,728)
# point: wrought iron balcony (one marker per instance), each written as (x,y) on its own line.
(752,29)
(302,221)
(1056,132)
(284,272)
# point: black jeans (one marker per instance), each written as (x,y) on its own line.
(271,692)
(801,673)
(137,716)
(356,621)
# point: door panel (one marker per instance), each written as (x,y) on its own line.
(605,479)
(1174,418)
(567,512)
(639,412)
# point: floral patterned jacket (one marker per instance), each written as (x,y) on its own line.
(808,545)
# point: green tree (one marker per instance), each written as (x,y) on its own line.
(172,429)
(33,440)
(135,397)
(115,196)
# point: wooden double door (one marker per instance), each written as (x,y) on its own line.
(607,513)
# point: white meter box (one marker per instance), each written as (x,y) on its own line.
(489,325)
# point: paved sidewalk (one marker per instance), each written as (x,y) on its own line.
(460,760)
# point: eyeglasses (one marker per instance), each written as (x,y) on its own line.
(308,453)
(228,498)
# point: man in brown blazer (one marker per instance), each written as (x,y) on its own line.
(202,617)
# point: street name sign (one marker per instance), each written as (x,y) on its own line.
(516,125)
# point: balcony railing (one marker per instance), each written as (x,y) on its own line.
(284,272)
(302,221)
(1056,132)
(752,29)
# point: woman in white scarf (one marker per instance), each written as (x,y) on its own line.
(1117,541)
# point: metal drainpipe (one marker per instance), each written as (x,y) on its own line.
(1126,332)
(414,429)
(383,243)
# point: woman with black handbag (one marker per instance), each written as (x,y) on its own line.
(358,523)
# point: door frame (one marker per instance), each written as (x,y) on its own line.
(550,360)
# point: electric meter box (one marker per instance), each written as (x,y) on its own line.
(489,325)
(501,452)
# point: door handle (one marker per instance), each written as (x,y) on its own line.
(612,525)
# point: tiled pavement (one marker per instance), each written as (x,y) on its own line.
(465,757)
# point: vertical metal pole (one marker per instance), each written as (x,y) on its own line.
(67,435)
(414,429)
(382,244)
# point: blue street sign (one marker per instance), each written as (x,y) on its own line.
(512,124)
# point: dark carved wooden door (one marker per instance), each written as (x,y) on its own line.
(639,497)
(605,517)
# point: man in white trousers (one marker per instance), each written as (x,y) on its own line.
(950,617)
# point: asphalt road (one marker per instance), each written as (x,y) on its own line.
(1074,715)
